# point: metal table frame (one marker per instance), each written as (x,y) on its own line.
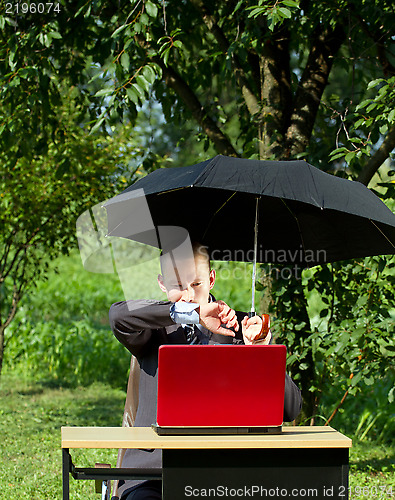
(99,474)
(314,458)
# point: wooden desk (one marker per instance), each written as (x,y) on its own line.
(301,462)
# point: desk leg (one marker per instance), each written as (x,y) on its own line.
(66,473)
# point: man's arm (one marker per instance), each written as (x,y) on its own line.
(133,321)
(292,400)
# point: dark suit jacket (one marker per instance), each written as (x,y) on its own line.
(142,326)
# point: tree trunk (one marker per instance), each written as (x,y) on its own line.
(311,87)
(275,95)
(16,297)
(2,343)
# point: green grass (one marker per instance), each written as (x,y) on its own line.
(32,413)
(31,416)
(372,471)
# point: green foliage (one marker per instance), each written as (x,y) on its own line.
(62,332)
(253,78)
(44,191)
(73,353)
(367,415)
(358,309)
(167,43)
(349,332)
(275,14)
(372,115)
(233,284)
(243,71)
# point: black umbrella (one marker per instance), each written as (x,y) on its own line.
(264,211)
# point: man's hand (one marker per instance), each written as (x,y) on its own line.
(215,314)
(255,328)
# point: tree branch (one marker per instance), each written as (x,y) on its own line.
(7,247)
(14,305)
(174,80)
(337,407)
(274,82)
(23,247)
(18,291)
(249,97)
(378,158)
(179,85)
(377,37)
(311,87)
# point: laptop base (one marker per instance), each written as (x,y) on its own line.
(202,431)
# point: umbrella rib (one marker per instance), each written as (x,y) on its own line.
(115,228)
(377,227)
(175,189)
(215,213)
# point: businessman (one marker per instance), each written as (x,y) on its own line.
(190,315)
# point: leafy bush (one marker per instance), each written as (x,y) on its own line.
(348,343)
(75,353)
(62,332)
(366,415)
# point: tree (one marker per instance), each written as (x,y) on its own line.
(42,196)
(267,79)
(279,80)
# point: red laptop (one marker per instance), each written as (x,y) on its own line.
(212,389)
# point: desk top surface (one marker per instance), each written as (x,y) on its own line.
(146,438)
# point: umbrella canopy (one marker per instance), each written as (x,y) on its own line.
(298,213)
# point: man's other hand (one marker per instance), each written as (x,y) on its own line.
(255,328)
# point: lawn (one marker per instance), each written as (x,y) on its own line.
(32,413)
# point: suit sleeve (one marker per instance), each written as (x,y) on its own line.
(136,322)
(292,400)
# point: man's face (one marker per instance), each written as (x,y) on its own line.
(188,280)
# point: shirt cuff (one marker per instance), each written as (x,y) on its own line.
(184,313)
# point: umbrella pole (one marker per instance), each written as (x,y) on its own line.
(252,313)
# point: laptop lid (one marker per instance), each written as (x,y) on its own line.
(221,385)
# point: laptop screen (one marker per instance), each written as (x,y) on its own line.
(221,385)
